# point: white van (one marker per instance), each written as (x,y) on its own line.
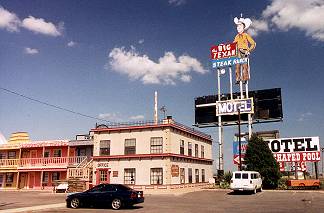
(246,181)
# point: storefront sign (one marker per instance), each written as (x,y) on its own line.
(231,107)
(115,173)
(175,171)
(295,149)
(236,151)
(103,165)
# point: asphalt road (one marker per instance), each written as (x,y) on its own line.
(201,201)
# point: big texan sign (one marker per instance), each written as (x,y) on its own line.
(301,149)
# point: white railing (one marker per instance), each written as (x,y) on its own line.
(82,173)
(48,162)
(9,163)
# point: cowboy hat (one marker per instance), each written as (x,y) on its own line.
(246,21)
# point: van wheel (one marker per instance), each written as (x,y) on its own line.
(254,191)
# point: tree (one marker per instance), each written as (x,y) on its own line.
(258,157)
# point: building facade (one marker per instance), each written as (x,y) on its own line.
(151,155)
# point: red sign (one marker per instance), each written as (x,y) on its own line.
(236,159)
(297,156)
(223,51)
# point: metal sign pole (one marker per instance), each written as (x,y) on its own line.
(231,82)
(220,128)
(247,96)
(239,132)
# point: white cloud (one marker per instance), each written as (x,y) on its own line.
(39,25)
(114,117)
(71,44)
(141,41)
(304,116)
(31,51)
(167,70)
(8,20)
(177,2)
(137,117)
(305,15)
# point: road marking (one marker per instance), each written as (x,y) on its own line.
(34,208)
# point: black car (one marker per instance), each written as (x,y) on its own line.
(115,195)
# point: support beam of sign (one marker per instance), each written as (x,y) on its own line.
(220,130)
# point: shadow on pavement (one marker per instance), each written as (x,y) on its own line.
(241,193)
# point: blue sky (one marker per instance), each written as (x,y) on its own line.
(106,58)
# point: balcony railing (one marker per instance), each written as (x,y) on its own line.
(81,173)
(51,162)
(9,163)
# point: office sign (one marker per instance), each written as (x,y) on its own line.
(298,149)
(231,107)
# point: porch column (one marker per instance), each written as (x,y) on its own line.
(17,184)
(41,180)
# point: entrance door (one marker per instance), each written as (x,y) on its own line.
(22,180)
(31,180)
(103,176)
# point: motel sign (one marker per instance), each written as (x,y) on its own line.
(231,107)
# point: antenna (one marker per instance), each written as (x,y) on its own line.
(155,108)
(163,109)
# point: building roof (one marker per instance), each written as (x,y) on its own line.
(151,124)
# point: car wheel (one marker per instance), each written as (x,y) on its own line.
(116,204)
(254,191)
(75,203)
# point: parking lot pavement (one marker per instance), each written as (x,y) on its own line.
(203,201)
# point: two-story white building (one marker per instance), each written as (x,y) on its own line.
(151,155)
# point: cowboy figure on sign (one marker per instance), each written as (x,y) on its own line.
(245,45)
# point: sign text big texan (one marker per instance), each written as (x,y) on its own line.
(224,55)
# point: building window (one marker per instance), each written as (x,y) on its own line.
(2,155)
(202,154)
(156,145)
(12,155)
(45,177)
(203,175)
(129,176)
(196,150)
(104,147)
(182,175)
(46,153)
(190,175)
(9,177)
(197,175)
(182,147)
(157,176)
(189,148)
(130,146)
(55,176)
(57,153)
(103,175)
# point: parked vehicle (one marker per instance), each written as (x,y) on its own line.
(114,195)
(246,181)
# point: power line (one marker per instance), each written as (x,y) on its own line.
(52,105)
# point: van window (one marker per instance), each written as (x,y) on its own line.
(253,176)
(245,176)
(237,175)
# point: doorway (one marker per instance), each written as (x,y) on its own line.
(22,180)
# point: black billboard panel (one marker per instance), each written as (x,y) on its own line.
(267,108)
